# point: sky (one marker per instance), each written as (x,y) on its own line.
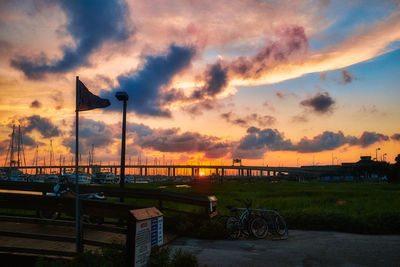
(278,83)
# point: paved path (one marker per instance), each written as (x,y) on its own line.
(302,248)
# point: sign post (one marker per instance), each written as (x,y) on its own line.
(145,231)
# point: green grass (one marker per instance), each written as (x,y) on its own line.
(349,207)
(369,208)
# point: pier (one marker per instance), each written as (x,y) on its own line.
(176,170)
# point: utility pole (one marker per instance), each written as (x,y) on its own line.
(122,96)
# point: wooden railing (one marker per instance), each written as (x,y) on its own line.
(207,203)
(27,201)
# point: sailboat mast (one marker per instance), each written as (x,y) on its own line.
(92,154)
(12,147)
(51,152)
(37,155)
(18,145)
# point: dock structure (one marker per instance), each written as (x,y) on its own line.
(178,170)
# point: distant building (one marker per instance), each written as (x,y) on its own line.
(368,170)
(363,170)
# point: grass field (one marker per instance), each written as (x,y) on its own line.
(348,207)
(368,208)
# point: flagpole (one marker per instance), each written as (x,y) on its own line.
(78,241)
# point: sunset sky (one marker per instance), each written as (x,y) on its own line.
(271,82)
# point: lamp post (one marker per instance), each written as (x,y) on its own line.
(376,153)
(122,96)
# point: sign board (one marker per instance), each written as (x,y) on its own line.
(156,231)
(148,233)
(142,242)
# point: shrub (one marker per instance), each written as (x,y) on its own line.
(183,259)
(160,257)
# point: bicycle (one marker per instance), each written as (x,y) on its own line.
(244,223)
(276,224)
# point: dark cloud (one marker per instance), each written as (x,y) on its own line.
(170,140)
(253,145)
(216,79)
(249,120)
(291,42)
(227,116)
(171,96)
(144,87)
(320,103)
(36,104)
(283,95)
(325,141)
(43,125)
(301,118)
(369,138)
(330,141)
(258,141)
(200,107)
(396,137)
(153,100)
(279,95)
(29,141)
(139,129)
(347,76)
(91,23)
(90,132)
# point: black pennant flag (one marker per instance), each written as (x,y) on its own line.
(87,100)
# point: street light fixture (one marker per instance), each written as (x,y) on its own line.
(122,96)
(376,153)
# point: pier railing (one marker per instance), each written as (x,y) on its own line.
(207,203)
(28,198)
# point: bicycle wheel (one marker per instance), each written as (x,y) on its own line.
(233,227)
(259,227)
(280,226)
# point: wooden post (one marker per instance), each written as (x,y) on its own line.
(130,241)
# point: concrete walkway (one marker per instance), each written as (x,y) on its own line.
(302,248)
